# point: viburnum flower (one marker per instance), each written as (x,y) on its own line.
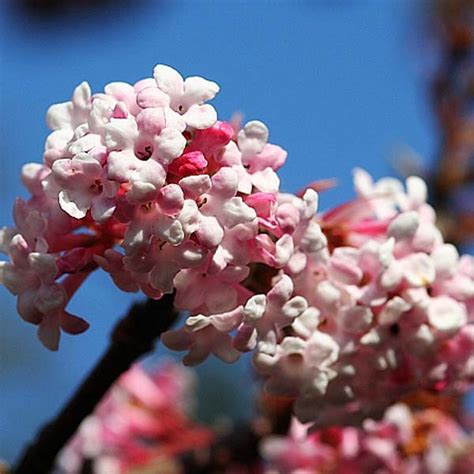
(137,180)
(345,310)
(142,423)
(426,441)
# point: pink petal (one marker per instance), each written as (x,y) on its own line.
(48,332)
(152,97)
(170,199)
(73,324)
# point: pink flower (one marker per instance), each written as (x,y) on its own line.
(424,441)
(187,97)
(205,335)
(144,420)
(41,301)
(84,186)
(348,309)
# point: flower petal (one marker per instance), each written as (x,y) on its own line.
(201,116)
(168,80)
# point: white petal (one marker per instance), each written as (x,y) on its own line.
(385,252)
(102,209)
(201,116)
(419,269)
(82,95)
(305,324)
(363,182)
(252,138)
(190,255)
(169,229)
(168,80)
(141,191)
(228,321)
(121,133)
(196,323)
(210,233)
(284,249)
(417,190)
(323,350)
(294,307)
(266,181)
(225,183)
(189,217)
(235,211)
(194,186)
(446,314)
(392,276)
(6,236)
(174,120)
(445,258)
(169,145)
(311,200)
(59,116)
(198,90)
(404,225)
(70,207)
(85,143)
(255,308)
(392,310)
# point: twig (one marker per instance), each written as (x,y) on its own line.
(134,336)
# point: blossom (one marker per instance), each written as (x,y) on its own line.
(83,187)
(187,96)
(345,310)
(405,440)
(143,421)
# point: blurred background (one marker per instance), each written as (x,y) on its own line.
(340,83)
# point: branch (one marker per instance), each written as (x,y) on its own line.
(134,336)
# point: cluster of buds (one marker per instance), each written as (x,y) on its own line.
(143,423)
(345,311)
(427,441)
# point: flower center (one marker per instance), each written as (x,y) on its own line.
(97,187)
(145,152)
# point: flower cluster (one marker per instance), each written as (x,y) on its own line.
(390,308)
(150,169)
(142,423)
(345,311)
(413,442)
(369,304)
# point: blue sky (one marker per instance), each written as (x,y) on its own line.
(338,83)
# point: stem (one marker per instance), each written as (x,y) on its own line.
(133,336)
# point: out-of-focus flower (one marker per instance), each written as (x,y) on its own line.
(404,441)
(142,425)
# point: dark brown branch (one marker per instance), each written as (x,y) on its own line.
(134,336)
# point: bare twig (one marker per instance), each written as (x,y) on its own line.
(134,336)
